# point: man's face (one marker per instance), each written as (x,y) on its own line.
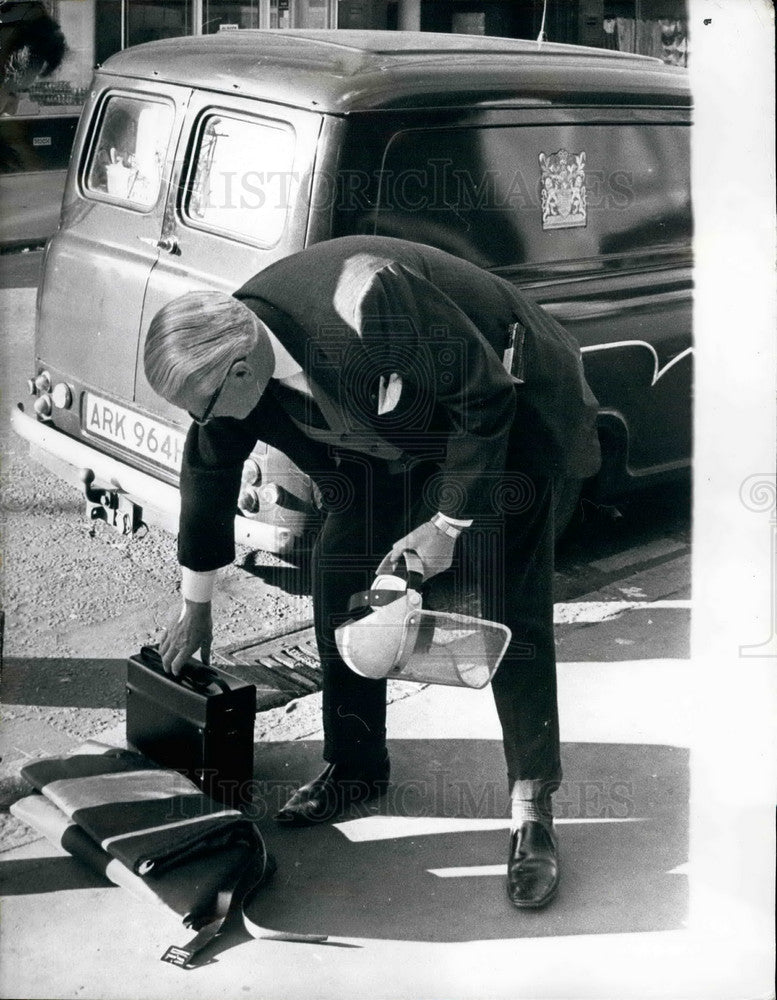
(240,390)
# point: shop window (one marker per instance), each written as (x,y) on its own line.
(148,20)
(469,22)
(127,157)
(656,28)
(36,143)
(218,13)
(243,181)
(48,91)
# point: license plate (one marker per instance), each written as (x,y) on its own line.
(133,431)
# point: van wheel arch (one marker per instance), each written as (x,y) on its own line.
(567,495)
(569,491)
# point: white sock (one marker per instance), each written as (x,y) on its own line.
(524,810)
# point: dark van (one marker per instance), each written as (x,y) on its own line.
(198,161)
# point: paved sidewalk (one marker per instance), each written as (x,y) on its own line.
(666,888)
(29,207)
(410,890)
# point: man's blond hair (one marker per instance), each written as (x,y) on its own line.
(194,339)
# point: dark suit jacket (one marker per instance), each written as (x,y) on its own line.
(357,309)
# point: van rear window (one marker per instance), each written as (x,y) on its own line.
(242,178)
(127,156)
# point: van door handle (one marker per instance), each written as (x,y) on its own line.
(169,244)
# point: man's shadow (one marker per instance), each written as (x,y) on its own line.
(291,574)
(424,863)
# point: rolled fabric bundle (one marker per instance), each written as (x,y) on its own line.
(44,817)
(189,890)
(147,817)
(201,874)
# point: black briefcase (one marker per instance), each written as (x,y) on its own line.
(200,723)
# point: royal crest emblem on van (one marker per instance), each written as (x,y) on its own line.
(563,190)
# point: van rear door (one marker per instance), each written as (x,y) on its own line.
(100,259)
(239,200)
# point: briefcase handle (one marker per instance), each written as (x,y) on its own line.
(198,676)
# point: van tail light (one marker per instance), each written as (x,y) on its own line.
(62,396)
(252,474)
(270,495)
(42,406)
(253,499)
(42,382)
(248,501)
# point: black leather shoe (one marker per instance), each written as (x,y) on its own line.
(337,787)
(532,867)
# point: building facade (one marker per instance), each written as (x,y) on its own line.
(95,29)
(37,126)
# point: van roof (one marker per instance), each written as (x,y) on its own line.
(344,71)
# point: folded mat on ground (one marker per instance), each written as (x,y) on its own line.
(189,890)
(220,868)
(145,816)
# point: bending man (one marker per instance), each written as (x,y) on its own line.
(383,365)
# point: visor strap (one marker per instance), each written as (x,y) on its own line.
(374,598)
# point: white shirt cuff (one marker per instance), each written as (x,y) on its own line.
(197,586)
(455,521)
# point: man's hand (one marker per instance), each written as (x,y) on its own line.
(193,631)
(434,547)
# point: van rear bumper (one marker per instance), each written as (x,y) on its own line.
(161,503)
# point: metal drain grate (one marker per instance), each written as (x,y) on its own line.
(283,667)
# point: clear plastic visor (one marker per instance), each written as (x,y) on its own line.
(444,648)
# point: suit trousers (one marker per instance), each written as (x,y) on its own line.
(504,562)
